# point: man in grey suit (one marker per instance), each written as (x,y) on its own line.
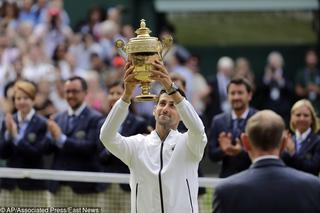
(268,185)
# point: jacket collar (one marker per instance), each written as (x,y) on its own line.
(308,142)
(155,137)
(267,162)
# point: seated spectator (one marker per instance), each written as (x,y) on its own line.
(9,13)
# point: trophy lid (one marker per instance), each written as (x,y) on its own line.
(143,43)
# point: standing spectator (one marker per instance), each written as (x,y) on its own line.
(303,149)
(132,125)
(23,144)
(243,69)
(308,80)
(179,65)
(276,90)
(226,128)
(268,185)
(200,88)
(217,100)
(74,134)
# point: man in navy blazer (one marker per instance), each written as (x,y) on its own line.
(268,185)
(224,134)
(74,135)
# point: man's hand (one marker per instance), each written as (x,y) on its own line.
(54,129)
(235,149)
(160,74)
(225,142)
(130,82)
(11,125)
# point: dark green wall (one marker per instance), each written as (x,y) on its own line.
(293,56)
(135,10)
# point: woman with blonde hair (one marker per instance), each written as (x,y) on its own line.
(303,148)
(23,144)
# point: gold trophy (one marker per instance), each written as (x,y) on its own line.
(143,50)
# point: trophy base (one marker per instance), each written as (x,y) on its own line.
(145,98)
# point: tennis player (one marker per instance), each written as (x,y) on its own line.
(163,165)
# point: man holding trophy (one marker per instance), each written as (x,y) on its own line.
(163,165)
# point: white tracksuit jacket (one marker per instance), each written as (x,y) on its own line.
(163,175)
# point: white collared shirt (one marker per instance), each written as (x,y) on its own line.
(265,157)
(301,137)
(78,111)
(243,116)
(27,118)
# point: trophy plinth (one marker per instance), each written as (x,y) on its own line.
(145,93)
(142,51)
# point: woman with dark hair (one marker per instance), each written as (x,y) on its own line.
(95,16)
(9,13)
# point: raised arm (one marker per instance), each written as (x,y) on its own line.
(197,138)
(118,145)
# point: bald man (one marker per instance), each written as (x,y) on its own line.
(268,185)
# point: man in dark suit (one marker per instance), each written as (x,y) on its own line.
(224,134)
(75,145)
(268,185)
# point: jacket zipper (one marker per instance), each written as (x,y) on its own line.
(189,195)
(159,176)
(137,198)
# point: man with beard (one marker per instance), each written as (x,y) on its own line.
(163,164)
(226,128)
(75,145)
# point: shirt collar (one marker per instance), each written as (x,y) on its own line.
(243,116)
(27,118)
(78,111)
(301,137)
(265,157)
